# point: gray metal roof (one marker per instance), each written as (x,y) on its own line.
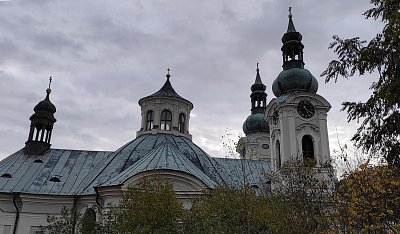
(32,174)
(165,156)
(80,171)
(167,91)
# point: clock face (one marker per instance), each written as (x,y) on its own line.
(305,109)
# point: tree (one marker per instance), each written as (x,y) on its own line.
(368,200)
(224,210)
(65,224)
(150,206)
(379,133)
(307,191)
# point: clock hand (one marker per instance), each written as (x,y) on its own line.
(307,110)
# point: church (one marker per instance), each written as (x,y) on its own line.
(38,180)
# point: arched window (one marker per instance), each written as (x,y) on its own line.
(181,124)
(278,154)
(149,120)
(88,221)
(308,147)
(166,120)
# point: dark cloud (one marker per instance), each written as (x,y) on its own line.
(105,56)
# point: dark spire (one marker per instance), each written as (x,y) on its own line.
(42,122)
(291,27)
(258,95)
(294,76)
(292,48)
(258,84)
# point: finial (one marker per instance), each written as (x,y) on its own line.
(168,75)
(290,12)
(257,68)
(48,90)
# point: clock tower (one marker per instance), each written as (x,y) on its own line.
(297,117)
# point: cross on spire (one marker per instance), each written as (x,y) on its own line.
(257,67)
(290,12)
(48,90)
(168,75)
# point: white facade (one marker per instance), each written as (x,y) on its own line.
(287,128)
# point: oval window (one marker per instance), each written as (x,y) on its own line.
(265,146)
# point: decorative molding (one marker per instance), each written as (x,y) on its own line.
(311,126)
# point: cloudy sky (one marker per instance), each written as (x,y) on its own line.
(105,55)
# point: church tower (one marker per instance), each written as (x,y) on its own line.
(255,144)
(298,115)
(42,122)
(165,112)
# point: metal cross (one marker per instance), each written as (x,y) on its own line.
(50,80)
(290,11)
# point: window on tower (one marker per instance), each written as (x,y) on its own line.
(149,120)
(166,120)
(278,154)
(308,147)
(181,124)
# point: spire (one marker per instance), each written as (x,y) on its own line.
(42,122)
(292,48)
(258,95)
(258,84)
(293,77)
(291,27)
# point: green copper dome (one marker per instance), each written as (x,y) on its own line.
(255,123)
(294,79)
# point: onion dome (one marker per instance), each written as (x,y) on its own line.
(46,104)
(294,76)
(255,123)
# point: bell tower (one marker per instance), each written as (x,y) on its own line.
(298,115)
(255,144)
(41,128)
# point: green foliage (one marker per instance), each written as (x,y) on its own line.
(303,200)
(223,210)
(380,114)
(368,200)
(306,192)
(151,206)
(65,224)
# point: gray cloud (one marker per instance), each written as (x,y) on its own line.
(105,56)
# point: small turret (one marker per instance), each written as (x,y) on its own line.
(41,128)
(165,112)
(256,122)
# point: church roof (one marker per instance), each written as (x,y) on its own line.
(56,172)
(78,172)
(164,156)
(167,91)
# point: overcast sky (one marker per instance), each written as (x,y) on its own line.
(106,55)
